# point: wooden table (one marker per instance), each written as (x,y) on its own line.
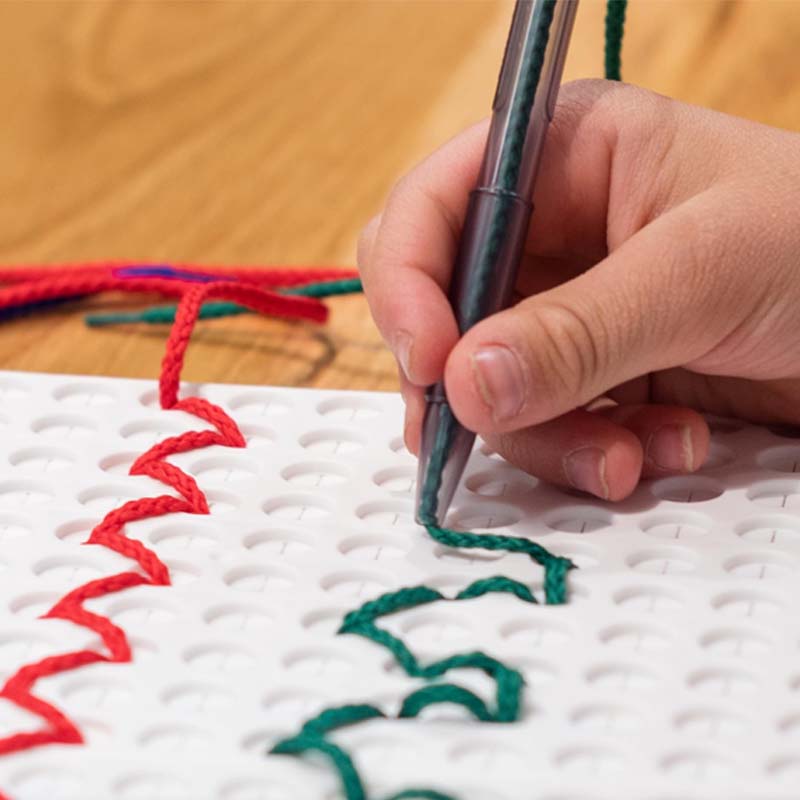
(269,132)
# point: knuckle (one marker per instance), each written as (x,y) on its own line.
(568,350)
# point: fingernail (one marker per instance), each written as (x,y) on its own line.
(670,448)
(402,351)
(585,469)
(499,378)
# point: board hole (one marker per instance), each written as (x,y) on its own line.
(663,561)
(375,548)
(744,603)
(780,529)
(24,494)
(397,513)
(118,463)
(687,489)
(147,785)
(67,427)
(99,693)
(186,536)
(677,525)
(146,432)
(42,459)
(315,474)
(775,494)
(579,519)
(260,404)
(139,612)
(635,638)
(15,527)
(696,765)
(257,435)
(85,395)
(282,543)
(259,579)
(723,682)
(293,703)
(397,480)
(238,618)
(606,718)
(622,677)
(174,738)
(710,723)
(332,441)
(588,760)
(760,566)
(497,483)
(298,507)
(485,516)
(719,455)
(33,605)
(105,498)
(735,642)
(224,469)
(197,698)
(535,633)
(349,409)
(67,568)
(319,663)
(650,599)
(218,658)
(361,584)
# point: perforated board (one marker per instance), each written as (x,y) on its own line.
(673,673)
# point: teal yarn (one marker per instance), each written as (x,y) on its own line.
(215,309)
(531,70)
(508,681)
(615,30)
(312,739)
(364,621)
(433,480)
(510,164)
(420,794)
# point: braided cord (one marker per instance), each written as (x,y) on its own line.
(511,163)
(508,681)
(615,29)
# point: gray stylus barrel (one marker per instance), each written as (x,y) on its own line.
(513,146)
(496,224)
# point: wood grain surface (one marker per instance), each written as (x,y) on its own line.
(270,132)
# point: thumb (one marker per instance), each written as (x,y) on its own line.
(664,298)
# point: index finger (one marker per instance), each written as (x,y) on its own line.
(406,268)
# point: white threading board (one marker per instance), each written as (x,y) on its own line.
(672,674)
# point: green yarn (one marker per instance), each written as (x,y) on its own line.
(327,288)
(508,681)
(510,165)
(615,29)
(447,693)
(497,584)
(519,118)
(420,794)
(161,315)
(312,739)
(433,479)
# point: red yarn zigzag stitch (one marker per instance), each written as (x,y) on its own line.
(109,533)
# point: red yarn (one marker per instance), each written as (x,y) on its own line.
(110,532)
(260,276)
(73,284)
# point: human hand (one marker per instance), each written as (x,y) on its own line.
(660,272)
